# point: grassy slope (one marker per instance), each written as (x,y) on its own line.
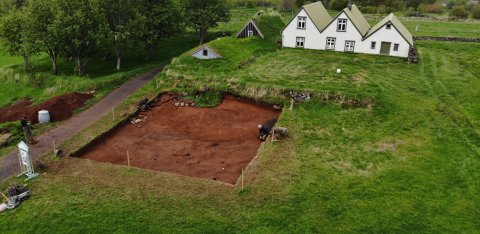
(408,164)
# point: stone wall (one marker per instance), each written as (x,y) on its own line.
(454,39)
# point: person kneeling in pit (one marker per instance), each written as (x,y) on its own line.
(266,128)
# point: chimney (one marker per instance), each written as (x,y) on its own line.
(350,4)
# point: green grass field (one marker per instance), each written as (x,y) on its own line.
(383,147)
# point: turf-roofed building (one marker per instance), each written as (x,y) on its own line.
(313,28)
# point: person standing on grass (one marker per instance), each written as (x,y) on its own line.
(26,130)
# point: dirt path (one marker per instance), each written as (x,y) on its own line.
(9,163)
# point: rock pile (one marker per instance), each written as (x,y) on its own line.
(299,96)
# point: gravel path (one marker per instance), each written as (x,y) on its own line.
(9,164)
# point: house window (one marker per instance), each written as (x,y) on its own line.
(373,45)
(342,25)
(330,43)
(300,42)
(301,22)
(349,46)
(395,47)
(205,52)
(250,33)
(389,26)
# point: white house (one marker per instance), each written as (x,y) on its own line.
(205,52)
(313,28)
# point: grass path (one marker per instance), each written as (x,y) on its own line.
(432,74)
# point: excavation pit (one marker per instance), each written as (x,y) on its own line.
(212,143)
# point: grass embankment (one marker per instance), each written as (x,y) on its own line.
(407,164)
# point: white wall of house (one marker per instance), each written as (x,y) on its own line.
(351,34)
(208,54)
(318,41)
(310,33)
(386,35)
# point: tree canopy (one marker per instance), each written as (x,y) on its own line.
(77,30)
(201,15)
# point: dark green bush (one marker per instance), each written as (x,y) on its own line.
(459,13)
(431,8)
(476,12)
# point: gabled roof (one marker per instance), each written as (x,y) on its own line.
(254,25)
(357,19)
(391,18)
(318,15)
(206,47)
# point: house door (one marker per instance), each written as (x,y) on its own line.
(385,48)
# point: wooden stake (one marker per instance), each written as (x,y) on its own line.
(128,159)
(291,104)
(242,179)
(53,141)
(273,134)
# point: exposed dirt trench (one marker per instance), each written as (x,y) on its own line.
(213,143)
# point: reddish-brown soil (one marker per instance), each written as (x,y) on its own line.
(213,143)
(60,108)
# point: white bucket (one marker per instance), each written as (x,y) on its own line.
(43,116)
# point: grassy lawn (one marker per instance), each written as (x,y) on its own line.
(408,163)
(383,147)
(442,29)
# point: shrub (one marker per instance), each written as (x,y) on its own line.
(431,8)
(410,12)
(397,5)
(250,4)
(338,4)
(459,13)
(476,12)
(381,9)
(368,9)
(286,5)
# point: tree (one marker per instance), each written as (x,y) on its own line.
(459,13)
(300,3)
(476,12)
(416,3)
(201,15)
(286,5)
(15,38)
(162,19)
(84,27)
(125,22)
(47,34)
